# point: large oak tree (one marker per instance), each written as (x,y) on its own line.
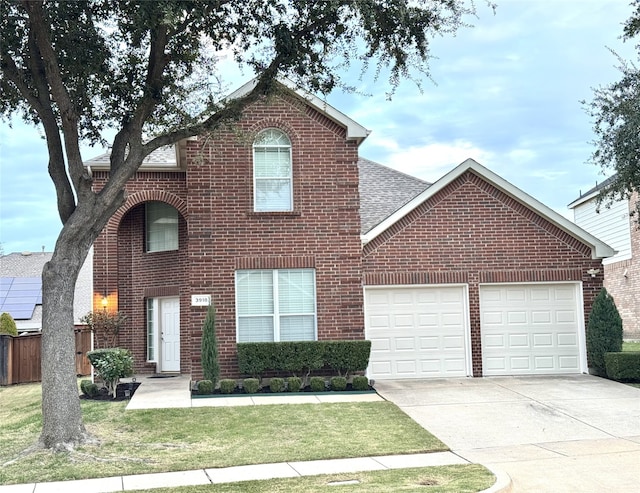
(615,110)
(146,72)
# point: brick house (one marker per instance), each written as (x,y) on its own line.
(294,237)
(614,224)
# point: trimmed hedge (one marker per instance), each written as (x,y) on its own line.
(604,330)
(302,357)
(623,367)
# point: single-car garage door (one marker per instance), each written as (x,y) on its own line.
(531,329)
(417,332)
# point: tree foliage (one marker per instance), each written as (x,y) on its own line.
(604,330)
(147,71)
(615,110)
(8,324)
(105,326)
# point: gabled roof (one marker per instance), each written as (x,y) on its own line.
(592,193)
(355,131)
(598,248)
(161,159)
(383,191)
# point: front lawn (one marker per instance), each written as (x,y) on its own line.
(158,440)
(631,346)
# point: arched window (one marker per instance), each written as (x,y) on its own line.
(272,172)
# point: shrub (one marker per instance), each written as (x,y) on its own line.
(338,383)
(227,386)
(105,326)
(623,367)
(604,330)
(88,388)
(251,385)
(346,357)
(255,357)
(299,357)
(205,387)
(317,384)
(209,349)
(111,364)
(360,382)
(276,384)
(294,384)
(8,325)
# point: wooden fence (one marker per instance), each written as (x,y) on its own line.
(20,357)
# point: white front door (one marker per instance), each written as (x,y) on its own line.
(170,334)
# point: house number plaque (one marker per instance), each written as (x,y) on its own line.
(200,300)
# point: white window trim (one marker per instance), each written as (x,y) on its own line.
(155,321)
(276,305)
(290,177)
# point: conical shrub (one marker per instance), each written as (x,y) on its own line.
(604,330)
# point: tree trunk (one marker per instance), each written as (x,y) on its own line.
(61,413)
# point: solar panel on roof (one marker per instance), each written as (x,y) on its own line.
(20,295)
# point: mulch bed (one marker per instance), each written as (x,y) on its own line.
(103,393)
(267,391)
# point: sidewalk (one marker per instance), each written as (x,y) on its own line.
(174,392)
(245,473)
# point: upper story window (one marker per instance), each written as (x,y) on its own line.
(272,172)
(161,227)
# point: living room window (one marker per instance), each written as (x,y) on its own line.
(276,305)
(272,172)
(161,227)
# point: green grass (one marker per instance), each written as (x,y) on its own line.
(160,440)
(447,479)
(631,346)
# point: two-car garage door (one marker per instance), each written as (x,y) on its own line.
(422,332)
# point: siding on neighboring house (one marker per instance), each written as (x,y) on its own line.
(609,224)
(617,227)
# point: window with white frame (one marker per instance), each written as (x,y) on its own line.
(152,334)
(161,227)
(276,305)
(272,172)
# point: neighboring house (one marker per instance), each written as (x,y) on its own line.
(21,289)
(614,224)
(295,237)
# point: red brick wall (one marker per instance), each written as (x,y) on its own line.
(472,233)
(221,233)
(622,280)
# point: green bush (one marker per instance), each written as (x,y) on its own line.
(346,357)
(209,349)
(88,388)
(227,386)
(604,331)
(254,358)
(251,385)
(294,384)
(317,384)
(111,364)
(276,384)
(205,387)
(360,382)
(299,357)
(623,367)
(8,325)
(338,383)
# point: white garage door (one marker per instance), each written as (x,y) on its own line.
(531,329)
(417,332)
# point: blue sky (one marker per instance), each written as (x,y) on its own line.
(506,92)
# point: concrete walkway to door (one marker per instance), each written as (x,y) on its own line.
(550,434)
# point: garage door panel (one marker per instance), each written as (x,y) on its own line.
(539,324)
(426,328)
(380,344)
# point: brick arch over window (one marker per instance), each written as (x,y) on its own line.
(138,198)
(278,124)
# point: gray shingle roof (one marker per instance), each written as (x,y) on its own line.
(161,157)
(383,191)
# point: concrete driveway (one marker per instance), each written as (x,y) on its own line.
(576,433)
